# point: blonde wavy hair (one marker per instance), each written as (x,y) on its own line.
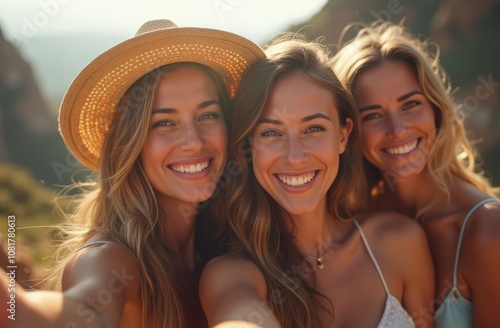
(452,154)
(255,218)
(123,206)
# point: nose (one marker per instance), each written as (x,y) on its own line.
(295,153)
(396,125)
(191,139)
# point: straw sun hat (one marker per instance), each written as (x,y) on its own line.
(90,102)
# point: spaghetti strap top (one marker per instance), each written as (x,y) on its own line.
(456,310)
(394,314)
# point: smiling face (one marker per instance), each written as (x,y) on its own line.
(185,151)
(297,143)
(397,120)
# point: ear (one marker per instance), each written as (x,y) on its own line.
(345,131)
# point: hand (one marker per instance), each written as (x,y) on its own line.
(236,324)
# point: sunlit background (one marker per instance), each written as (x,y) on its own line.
(45,43)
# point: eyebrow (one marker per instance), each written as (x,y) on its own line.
(400,99)
(202,105)
(314,116)
(305,119)
(409,94)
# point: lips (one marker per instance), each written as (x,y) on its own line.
(190,168)
(296,180)
(404,149)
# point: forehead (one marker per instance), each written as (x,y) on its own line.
(387,80)
(186,74)
(296,94)
(185,81)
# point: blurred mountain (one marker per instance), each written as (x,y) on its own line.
(57,60)
(28,126)
(467,35)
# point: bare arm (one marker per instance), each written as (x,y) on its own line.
(481,265)
(233,294)
(97,286)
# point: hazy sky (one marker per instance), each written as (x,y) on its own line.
(40,28)
(22,20)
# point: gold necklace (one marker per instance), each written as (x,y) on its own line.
(319,260)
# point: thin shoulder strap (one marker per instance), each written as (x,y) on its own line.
(365,241)
(462,231)
(103,242)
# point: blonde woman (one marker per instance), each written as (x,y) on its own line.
(149,116)
(303,254)
(420,162)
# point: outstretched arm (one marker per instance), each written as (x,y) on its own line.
(233,294)
(98,284)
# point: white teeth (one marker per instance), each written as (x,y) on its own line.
(403,149)
(192,168)
(294,181)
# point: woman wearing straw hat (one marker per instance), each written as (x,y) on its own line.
(149,116)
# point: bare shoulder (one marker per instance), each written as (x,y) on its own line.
(397,239)
(484,224)
(101,264)
(230,261)
(226,272)
(392,227)
(479,262)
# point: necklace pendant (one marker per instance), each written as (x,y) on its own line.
(319,263)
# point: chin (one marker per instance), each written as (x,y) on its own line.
(402,174)
(198,196)
(299,209)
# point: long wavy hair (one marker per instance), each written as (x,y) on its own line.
(451,154)
(123,206)
(254,216)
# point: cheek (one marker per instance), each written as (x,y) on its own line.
(151,149)
(261,162)
(431,122)
(218,138)
(367,140)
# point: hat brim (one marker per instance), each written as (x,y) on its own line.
(88,106)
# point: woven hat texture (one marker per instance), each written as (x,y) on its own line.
(88,107)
